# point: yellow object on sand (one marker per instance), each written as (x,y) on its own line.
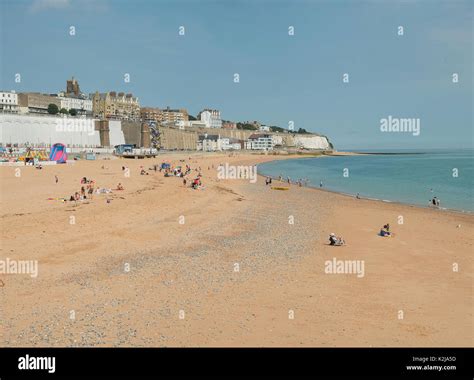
(280,188)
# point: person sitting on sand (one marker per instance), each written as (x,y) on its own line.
(385,231)
(335,240)
(119,186)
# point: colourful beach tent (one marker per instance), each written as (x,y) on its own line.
(58,153)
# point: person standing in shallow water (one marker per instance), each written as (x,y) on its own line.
(321,184)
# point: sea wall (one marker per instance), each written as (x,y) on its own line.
(43,131)
(178,139)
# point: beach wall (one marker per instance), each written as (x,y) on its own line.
(131,131)
(178,139)
(42,131)
(116,135)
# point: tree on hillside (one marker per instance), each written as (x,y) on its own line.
(191,118)
(302,130)
(274,128)
(53,109)
(73,112)
(246,126)
(63,111)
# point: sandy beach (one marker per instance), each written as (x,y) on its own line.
(233,264)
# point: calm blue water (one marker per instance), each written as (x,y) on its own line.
(411,178)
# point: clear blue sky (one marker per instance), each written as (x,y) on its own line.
(282,77)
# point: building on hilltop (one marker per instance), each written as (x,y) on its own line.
(172,117)
(8,101)
(73,98)
(34,102)
(111,105)
(150,114)
(72,88)
(229,125)
(167,116)
(212,118)
(82,106)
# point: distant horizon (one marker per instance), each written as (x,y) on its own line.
(291,59)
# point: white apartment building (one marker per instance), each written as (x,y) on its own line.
(208,143)
(227,143)
(79,104)
(212,118)
(190,124)
(8,101)
(260,142)
(212,143)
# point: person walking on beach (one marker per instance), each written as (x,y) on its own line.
(56,178)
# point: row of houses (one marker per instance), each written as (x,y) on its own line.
(104,106)
(213,143)
(36,103)
(112,105)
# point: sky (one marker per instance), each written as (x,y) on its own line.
(282,77)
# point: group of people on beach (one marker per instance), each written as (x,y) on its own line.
(86,191)
(435,201)
(300,182)
(181,172)
(339,240)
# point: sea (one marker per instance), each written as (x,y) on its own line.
(411,177)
